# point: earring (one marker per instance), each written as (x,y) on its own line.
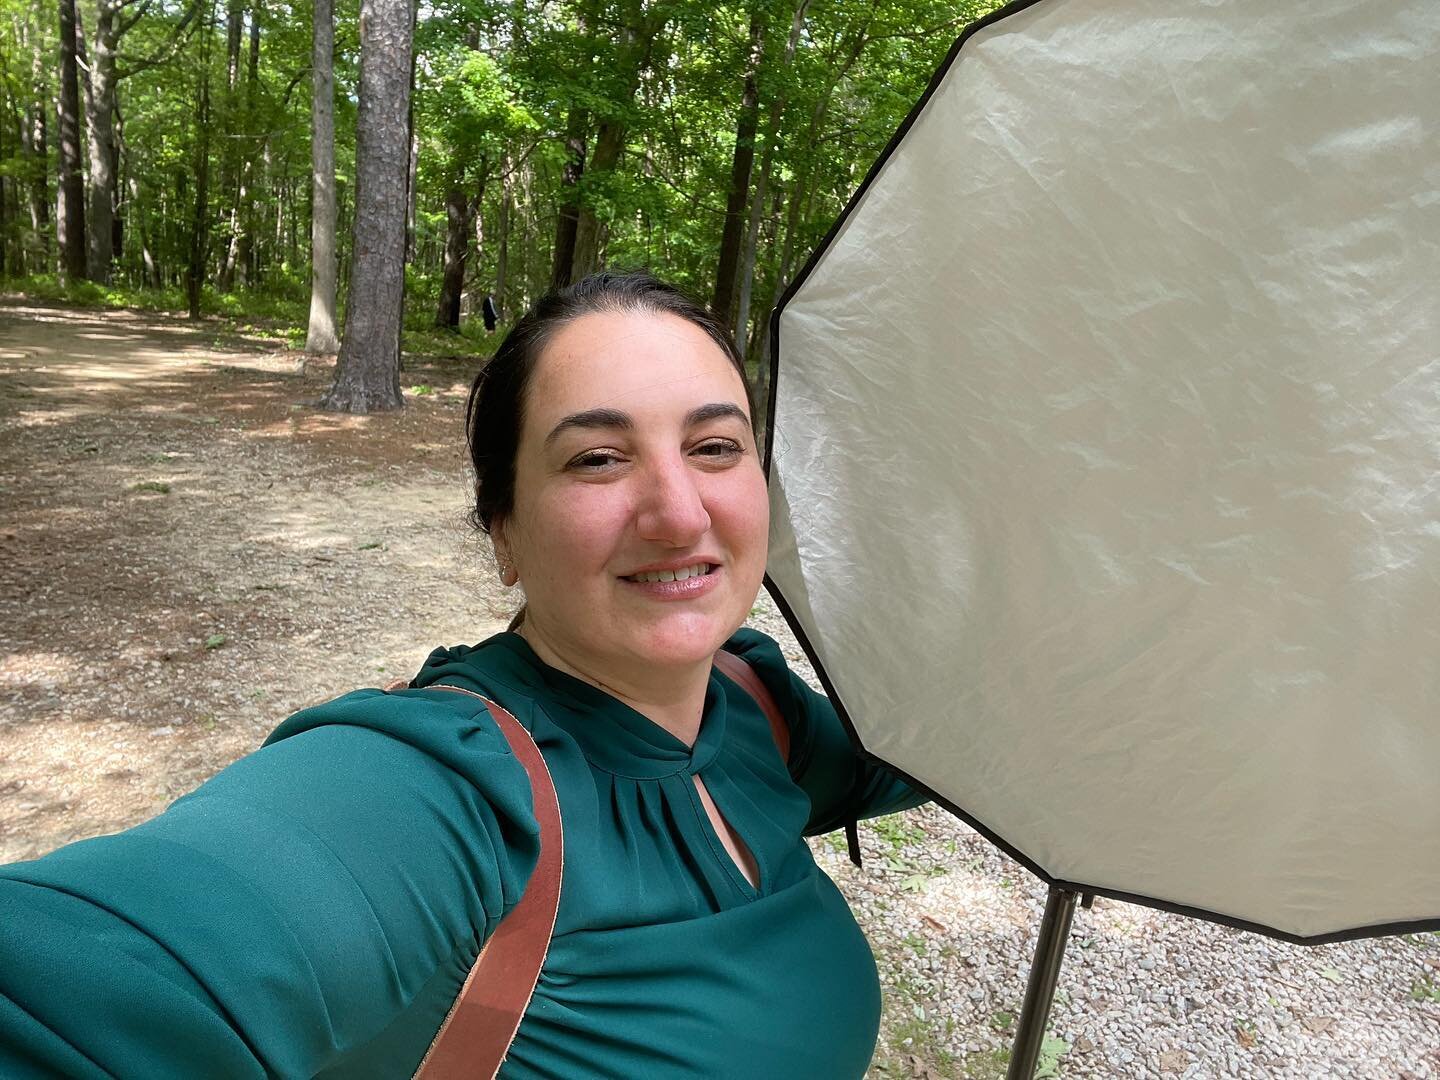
(508,576)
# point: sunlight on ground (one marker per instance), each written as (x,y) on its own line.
(45,669)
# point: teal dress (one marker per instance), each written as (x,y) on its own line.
(313,909)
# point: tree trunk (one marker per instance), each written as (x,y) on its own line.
(762,184)
(457,252)
(367,377)
(35,143)
(245,248)
(200,222)
(230,159)
(101,128)
(121,158)
(234,30)
(149,272)
(568,220)
(70,210)
(632,57)
(740,168)
(502,251)
(321,337)
(412,175)
(609,142)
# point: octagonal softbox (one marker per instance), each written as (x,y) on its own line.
(1105,454)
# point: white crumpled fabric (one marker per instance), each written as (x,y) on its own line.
(1107,453)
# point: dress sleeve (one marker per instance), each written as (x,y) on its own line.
(279,916)
(842,784)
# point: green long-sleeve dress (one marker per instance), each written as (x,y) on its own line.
(313,909)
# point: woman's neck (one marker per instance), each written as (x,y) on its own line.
(673,699)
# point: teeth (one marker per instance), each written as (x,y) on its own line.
(672,575)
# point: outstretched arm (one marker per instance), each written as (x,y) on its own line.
(281,915)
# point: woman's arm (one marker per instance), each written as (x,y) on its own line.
(282,914)
(842,784)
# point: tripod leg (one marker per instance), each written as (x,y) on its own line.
(1040,990)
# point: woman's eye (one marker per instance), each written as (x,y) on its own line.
(719,449)
(593,460)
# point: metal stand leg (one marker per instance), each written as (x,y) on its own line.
(1040,990)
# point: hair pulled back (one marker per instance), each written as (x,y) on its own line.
(496,407)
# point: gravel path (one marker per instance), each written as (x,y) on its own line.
(187,554)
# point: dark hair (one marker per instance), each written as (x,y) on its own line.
(497,398)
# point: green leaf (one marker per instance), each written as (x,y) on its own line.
(1051,1051)
(214,641)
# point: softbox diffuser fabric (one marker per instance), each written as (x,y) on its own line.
(1105,453)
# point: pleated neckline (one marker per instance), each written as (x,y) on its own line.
(611,735)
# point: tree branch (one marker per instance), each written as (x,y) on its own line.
(178,38)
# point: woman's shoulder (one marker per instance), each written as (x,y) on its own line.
(426,713)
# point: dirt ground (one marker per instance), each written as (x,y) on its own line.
(188,553)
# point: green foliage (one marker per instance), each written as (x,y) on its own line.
(1052,1050)
(154,487)
(497,88)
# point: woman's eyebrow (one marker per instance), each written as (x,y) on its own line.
(591,418)
(720,410)
(614,419)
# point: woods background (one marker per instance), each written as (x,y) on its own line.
(207,156)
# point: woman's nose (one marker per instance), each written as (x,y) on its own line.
(672,510)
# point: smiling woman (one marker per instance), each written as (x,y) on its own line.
(316,908)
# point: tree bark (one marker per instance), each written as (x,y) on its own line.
(762,185)
(200,221)
(100,115)
(632,58)
(609,142)
(457,253)
(245,245)
(367,377)
(34,142)
(502,251)
(568,219)
(741,165)
(321,337)
(70,210)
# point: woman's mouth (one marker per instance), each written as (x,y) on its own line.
(679,583)
(697,570)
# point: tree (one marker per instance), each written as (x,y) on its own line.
(320,338)
(200,221)
(742,162)
(367,377)
(70,211)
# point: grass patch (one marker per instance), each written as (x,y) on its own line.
(1425,989)
(158,487)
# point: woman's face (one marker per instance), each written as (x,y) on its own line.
(641,517)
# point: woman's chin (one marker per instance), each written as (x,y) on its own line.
(681,642)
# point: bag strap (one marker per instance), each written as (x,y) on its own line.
(739,671)
(481,1025)
(745,677)
(477,1032)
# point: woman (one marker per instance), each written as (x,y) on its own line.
(314,909)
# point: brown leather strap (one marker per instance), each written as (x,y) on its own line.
(741,673)
(476,1035)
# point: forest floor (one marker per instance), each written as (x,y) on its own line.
(189,551)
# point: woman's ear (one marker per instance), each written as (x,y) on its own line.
(504,560)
